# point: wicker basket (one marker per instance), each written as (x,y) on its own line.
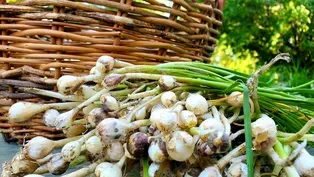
(42,40)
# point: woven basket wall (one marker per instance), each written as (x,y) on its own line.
(51,38)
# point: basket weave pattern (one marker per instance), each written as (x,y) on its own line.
(55,37)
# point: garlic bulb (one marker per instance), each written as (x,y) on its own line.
(107,169)
(168,98)
(187,119)
(21,165)
(138,144)
(157,106)
(210,172)
(236,100)
(57,165)
(109,103)
(264,131)
(39,147)
(114,151)
(94,145)
(65,119)
(112,129)
(141,114)
(23,111)
(166,82)
(180,146)
(68,84)
(95,116)
(211,124)
(304,164)
(164,119)
(197,104)
(71,150)
(157,151)
(104,64)
(50,116)
(237,169)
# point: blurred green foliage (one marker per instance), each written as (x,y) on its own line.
(254,31)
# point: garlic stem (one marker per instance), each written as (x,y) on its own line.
(145,94)
(225,121)
(234,153)
(62,142)
(257,168)
(121,161)
(300,133)
(53,94)
(130,115)
(235,115)
(236,134)
(215,113)
(84,171)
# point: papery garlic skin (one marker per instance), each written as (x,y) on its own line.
(104,64)
(212,124)
(138,144)
(197,104)
(264,131)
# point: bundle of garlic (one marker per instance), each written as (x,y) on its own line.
(137,120)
